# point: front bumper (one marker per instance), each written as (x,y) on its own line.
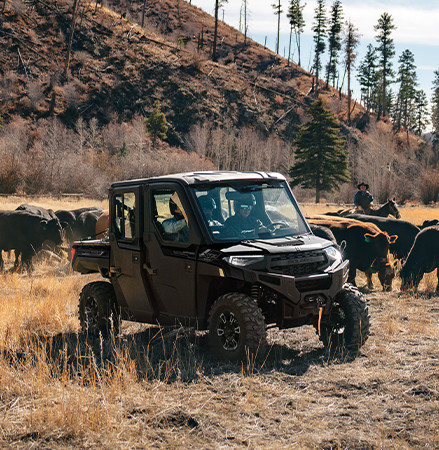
(300,299)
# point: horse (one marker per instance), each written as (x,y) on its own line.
(390,208)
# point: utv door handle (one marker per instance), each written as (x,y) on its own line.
(149,269)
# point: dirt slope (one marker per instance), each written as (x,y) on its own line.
(118,68)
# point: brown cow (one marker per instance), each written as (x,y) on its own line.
(103,224)
(366,247)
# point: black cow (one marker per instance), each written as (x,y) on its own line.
(38,211)
(26,233)
(423,258)
(365,245)
(323,232)
(86,224)
(78,222)
(47,214)
(429,223)
(405,231)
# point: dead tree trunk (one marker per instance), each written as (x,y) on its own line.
(72,31)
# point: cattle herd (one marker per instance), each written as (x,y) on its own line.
(379,244)
(29,229)
(373,244)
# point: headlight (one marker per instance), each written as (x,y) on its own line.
(334,256)
(243,260)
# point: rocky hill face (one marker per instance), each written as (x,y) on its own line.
(119,68)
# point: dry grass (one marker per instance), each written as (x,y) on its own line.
(160,388)
(55,203)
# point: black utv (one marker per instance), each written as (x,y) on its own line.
(228,252)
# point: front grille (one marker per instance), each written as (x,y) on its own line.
(299,263)
(309,285)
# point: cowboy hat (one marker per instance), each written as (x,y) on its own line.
(363,184)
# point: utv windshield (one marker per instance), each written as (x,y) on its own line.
(234,211)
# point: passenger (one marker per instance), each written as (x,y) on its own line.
(176,228)
(208,206)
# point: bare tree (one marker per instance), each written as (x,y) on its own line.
(244,149)
(218,5)
(76,4)
(143,12)
(244,13)
(277,11)
(374,159)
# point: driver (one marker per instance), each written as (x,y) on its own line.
(242,221)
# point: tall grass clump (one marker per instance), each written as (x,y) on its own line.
(60,384)
(429,187)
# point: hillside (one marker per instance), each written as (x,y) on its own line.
(118,68)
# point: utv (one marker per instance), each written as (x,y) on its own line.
(227,252)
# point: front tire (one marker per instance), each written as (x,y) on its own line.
(98,309)
(236,328)
(349,322)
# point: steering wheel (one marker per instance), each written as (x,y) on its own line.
(277,225)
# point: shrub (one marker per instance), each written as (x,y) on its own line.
(429,187)
(239,149)
(35,93)
(14,140)
(278,99)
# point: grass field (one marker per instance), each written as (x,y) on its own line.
(160,388)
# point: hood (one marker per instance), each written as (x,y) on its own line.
(291,244)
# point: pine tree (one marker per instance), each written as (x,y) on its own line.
(156,123)
(277,11)
(368,79)
(386,49)
(297,23)
(334,41)
(319,30)
(420,115)
(435,111)
(321,156)
(351,42)
(407,79)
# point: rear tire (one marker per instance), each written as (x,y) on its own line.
(349,322)
(98,309)
(237,328)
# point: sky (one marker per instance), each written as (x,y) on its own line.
(417,29)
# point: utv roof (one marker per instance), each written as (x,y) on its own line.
(206,177)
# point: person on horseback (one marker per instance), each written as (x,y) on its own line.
(363,199)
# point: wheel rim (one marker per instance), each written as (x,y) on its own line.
(338,321)
(91,312)
(228,331)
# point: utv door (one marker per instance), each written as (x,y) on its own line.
(170,253)
(126,268)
